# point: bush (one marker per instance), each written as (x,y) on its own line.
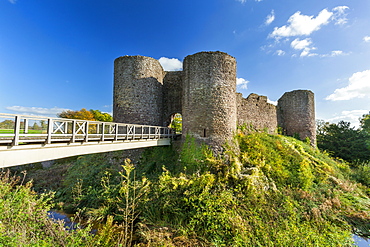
(266,190)
(362,173)
(24,220)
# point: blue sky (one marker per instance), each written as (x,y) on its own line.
(59,54)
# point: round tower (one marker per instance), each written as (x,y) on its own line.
(209,102)
(296,114)
(138,94)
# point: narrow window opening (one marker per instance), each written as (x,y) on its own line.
(204,132)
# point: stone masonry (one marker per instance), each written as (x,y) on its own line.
(205,94)
(296,114)
(209,103)
(256,113)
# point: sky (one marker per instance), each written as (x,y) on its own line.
(58,54)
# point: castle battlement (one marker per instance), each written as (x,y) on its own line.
(204,93)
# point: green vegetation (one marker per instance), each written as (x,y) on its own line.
(24,221)
(365,122)
(11,131)
(266,190)
(345,142)
(7,124)
(176,123)
(93,115)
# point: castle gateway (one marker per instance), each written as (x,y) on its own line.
(204,93)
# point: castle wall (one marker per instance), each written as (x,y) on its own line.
(209,103)
(205,94)
(172,94)
(138,90)
(296,114)
(255,112)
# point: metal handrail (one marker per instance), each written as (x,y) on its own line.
(63,130)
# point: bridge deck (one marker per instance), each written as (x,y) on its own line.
(54,138)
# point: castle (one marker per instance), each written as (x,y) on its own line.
(204,93)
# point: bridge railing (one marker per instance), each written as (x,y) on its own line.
(21,129)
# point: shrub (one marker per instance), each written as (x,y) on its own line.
(24,220)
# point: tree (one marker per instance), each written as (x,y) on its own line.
(176,123)
(321,127)
(99,116)
(81,114)
(7,124)
(365,122)
(343,141)
(92,115)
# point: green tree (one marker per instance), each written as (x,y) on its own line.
(343,141)
(7,124)
(100,116)
(81,114)
(35,126)
(365,122)
(177,123)
(93,115)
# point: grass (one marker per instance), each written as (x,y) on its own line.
(11,131)
(267,190)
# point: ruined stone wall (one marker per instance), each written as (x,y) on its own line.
(172,94)
(255,112)
(296,114)
(138,90)
(205,94)
(209,102)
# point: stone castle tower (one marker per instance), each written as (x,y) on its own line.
(204,93)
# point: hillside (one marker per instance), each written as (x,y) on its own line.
(266,190)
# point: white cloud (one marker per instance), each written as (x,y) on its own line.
(280,52)
(340,17)
(349,116)
(298,44)
(272,102)
(36,110)
(270,18)
(307,53)
(335,54)
(303,45)
(299,25)
(13,1)
(366,39)
(170,64)
(242,83)
(358,87)
(304,25)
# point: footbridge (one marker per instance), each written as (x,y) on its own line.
(30,139)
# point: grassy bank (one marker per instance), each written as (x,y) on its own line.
(11,131)
(266,190)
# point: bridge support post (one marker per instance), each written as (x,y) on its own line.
(116,132)
(102,132)
(50,130)
(73,131)
(86,131)
(26,126)
(17,127)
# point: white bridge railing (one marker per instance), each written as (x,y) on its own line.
(17,130)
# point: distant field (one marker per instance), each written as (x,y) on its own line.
(11,131)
